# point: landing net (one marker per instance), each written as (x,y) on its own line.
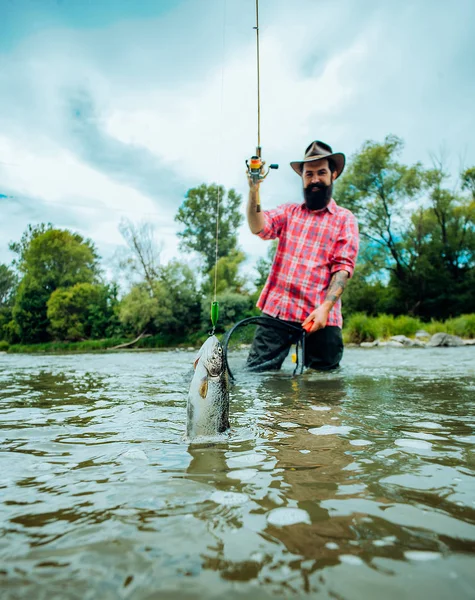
(241,348)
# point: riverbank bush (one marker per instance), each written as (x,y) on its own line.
(4,346)
(463,326)
(359,327)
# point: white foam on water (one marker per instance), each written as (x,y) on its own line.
(382,543)
(423,436)
(241,460)
(466,439)
(45,478)
(417,444)
(132,455)
(229,498)
(371,417)
(332,546)
(331,430)
(257,556)
(242,474)
(281,517)
(101,403)
(289,424)
(304,451)
(350,559)
(40,467)
(422,555)
(350,489)
(206,439)
(385,453)
(360,442)
(427,425)
(321,408)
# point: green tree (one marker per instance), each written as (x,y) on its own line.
(58,258)
(30,321)
(180,284)
(227,275)
(7,285)
(30,233)
(47,259)
(170,307)
(468,181)
(198,214)
(440,246)
(427,247)
(82,311)
(378,190)
(143,310)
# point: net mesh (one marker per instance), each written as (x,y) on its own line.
(248,346)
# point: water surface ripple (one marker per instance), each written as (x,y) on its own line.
(351,484)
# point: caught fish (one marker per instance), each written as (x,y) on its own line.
(208,397)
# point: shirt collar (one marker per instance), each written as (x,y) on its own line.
(331,207)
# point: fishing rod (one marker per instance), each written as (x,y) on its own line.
(255,166)
(214,314)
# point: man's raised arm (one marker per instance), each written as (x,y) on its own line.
(255,217)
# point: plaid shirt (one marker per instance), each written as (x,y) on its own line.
(312,246)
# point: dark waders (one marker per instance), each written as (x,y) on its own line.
(271,345)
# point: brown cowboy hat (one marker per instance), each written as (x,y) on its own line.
(316,151)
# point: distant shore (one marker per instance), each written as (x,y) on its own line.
(421,340)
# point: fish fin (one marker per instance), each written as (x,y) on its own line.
(204,387)
(195,364)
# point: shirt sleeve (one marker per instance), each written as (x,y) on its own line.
(346,247)
(274,222)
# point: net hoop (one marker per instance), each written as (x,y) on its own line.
(260,320)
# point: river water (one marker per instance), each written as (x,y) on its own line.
(351,484)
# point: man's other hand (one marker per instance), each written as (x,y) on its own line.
(316,320)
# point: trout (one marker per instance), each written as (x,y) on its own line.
(208,397)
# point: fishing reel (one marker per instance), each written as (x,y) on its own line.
(255,167)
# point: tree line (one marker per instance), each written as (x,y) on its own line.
(417,258)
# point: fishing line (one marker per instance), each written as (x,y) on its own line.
(215,304)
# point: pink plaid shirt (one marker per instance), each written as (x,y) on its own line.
(312,246)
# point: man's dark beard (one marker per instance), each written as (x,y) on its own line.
(317,195)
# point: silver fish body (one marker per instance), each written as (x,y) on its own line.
(208,396)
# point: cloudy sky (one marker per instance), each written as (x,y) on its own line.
(114,108)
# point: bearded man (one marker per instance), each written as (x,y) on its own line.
(316,254)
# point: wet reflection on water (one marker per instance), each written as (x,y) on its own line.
(352,484)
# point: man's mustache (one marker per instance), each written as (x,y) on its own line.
(314,187)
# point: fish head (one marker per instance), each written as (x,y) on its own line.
(211,356)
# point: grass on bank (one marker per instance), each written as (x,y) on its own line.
(52,347)
(61,347)
(362,328)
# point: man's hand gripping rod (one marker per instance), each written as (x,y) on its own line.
(255,171)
